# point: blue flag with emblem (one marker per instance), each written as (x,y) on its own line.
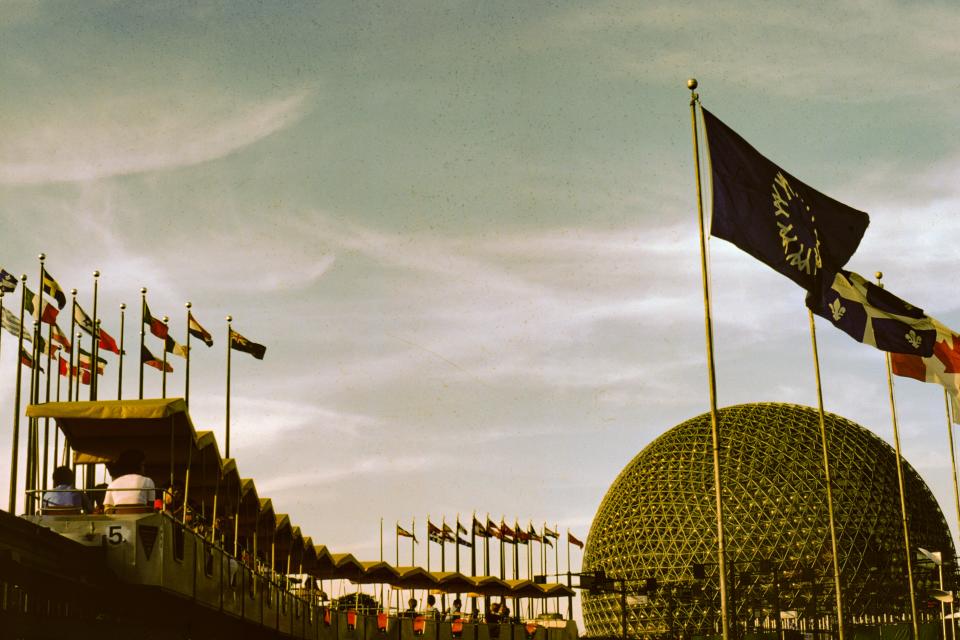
(8,282)
(798,231)
(870,314)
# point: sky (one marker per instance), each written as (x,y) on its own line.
(466,232)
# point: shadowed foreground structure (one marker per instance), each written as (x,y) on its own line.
(658,519)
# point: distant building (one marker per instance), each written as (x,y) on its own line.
(658,520)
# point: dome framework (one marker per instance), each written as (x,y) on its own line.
(658,520)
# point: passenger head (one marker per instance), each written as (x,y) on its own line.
(62,475)
(457,604)
(412,603)
(130,461)
(431,601)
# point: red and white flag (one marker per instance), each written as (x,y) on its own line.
(943,367)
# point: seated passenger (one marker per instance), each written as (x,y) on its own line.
(431,612)
(129,486)
(411,611)
(64,493)
(454,612)
(493,615)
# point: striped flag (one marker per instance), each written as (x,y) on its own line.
(406,534)
(8,282)
(61,337)
(174,347)
(107,343)
(10,322)
(31,301)
(197,331)
(574,541)
(85,361)
(151,360)
(52,289)
(157,327)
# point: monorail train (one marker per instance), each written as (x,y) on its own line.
(213,542)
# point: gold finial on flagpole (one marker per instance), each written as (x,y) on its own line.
(692,84)
(189,305)
(42,257)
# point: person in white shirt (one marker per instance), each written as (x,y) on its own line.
(129,486)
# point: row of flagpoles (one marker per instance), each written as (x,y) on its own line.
(508,536)
(85,367)
(809,237)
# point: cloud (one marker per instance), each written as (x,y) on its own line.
(793,51)
(128,134)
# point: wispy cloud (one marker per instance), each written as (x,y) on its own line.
(129,134)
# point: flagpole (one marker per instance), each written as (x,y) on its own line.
(163,378)
(46,421)
(486,547)
(229,349)
(457,545)
(31,481)
(413,542)
(95,348)
(14,450)
(827,480)
(186,386)
(569,580)
(428,543)
(143,317)
(1,313)
(903,502)
(79,374)
(73,342)
(123,308)
(381,544)
(396,538)
(956,491)
(711,373)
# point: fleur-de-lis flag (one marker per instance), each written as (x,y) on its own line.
(791,227)
(872,315)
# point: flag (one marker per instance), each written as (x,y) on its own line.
(61,337)
(107,343)
(8,282)
(27,360)
(11,323)
(506,533)
(550,533)
(157,327)
(65,370)
(82,319)
(448,533)
(52,289)
(870,314)
(546,540)
(438,535)
(150,360)
(174,347)
(240,343)
(479,529)
(462,542)
(85,360)
(521,536)
(85,377)
(943,367)
(492,530)
(461,529)
(572,540)
(406,534)
(792,228)
(49,313)
(533,535)
(197,331)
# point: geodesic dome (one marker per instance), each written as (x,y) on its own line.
(659,518)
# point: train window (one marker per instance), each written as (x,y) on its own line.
(208,559)
(178,541)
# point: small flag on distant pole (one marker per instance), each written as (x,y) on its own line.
(52,289)
(156,325)
(197,331)
(107,343)
(151,360)
(174,347)
(406,534)
(81,318)
(574,541)
(8,282)
(49,312)
(240,343)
